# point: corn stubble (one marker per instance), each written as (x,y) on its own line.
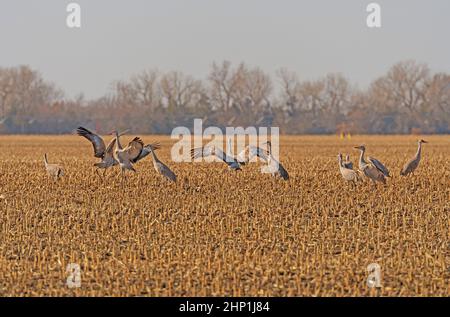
(221,233)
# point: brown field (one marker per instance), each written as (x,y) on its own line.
(221,233)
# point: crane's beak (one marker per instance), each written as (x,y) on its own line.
(423,141)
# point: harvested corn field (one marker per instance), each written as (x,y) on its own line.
(217,232)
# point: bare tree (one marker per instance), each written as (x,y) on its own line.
(407,99)
(180,91)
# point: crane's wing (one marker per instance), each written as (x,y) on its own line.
(110,147)
(261,153)
(379,166)
(146,150)
(134,149)
(97,141)
(197,152)
(243,157)
(229,160)
(283,173)
(348,165)
(249,152)
(209,151)
(202,152)
(223,156)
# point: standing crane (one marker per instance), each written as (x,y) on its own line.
(347,172)
(373,169)
(54,170)
(106,154)
(411,166)
(162,168)
(274,167)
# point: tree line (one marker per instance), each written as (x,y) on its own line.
(409,98)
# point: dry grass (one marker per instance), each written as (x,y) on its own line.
(222,233)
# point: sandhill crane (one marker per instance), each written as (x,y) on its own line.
(213,150)
(347,173)
(161,168)
(374,170)
(134,152)
(274,167)
(106,154)
(411,166)
(53,170)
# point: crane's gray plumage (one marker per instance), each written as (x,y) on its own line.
(108,158)
(249,152)
(54,170)
(106,154)
(347,173)
(411,166)
(347,163)
(127,155)
(146,150)
(379,166)
(213,150)
(273,166)
(373,169)
(162,168)
(97,142)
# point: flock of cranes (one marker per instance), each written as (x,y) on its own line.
(126,157)
(273,167)
(373,169)
(114,154)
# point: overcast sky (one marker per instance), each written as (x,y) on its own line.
(120,38)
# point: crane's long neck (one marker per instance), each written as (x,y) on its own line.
(45,159)
(155,158)
(361,158)
(119,145)
(419,150)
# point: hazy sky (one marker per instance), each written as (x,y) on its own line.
(120,38)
